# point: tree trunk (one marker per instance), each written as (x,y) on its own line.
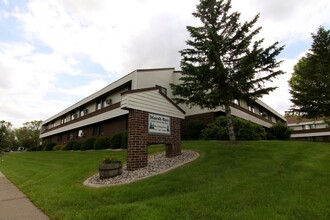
(230,125)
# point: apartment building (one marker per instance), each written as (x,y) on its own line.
(308,129)
(102,114)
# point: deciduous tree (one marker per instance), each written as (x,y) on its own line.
(28,135)
(6,135)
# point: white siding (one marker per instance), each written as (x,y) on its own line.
(315,134)
(150,101)
(101,117)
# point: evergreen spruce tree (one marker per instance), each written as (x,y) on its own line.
(310,81)
(223,62)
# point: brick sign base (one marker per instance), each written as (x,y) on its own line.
(139,139)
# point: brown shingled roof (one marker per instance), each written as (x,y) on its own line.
(295,119)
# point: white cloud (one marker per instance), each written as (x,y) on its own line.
(26,77)
(121,36)
(84,90)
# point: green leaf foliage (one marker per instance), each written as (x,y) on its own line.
(224,61)
(310,81)
(102,143)
(279,131)
(50,146)
(119,140)
(6,135)
(245,130)
(193,129)
(76,146)
(88,144)
(124,139)
(70,145)
(116,140)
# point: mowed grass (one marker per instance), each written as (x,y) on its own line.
(251,180)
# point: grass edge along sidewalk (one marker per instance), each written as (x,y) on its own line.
(15,205)
(251,180)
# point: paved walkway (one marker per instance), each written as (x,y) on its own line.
(14,205)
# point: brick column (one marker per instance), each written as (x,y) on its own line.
(137,150)
(139,139)
(174,149)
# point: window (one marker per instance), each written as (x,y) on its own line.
(99,105)
(97,129)
(236,102)
(107,102)
(251,108)
(59,137)
(81,133)
(72,135)
(63,120)
(74,116)
(51,125)
(312,126)
(264,115)
(83,112)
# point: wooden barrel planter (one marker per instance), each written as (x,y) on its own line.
(110,170)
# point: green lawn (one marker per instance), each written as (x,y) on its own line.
(253,180)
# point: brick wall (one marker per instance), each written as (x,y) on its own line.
(110,127)
(139,139)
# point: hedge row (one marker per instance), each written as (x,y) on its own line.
(244,130)
(116,141)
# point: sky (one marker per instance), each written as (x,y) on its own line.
(55,53)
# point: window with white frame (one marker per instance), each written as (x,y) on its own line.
(98,104)
(251,108)
(83,112)
(236,101)
(63,120)
(81,133)
(74,116)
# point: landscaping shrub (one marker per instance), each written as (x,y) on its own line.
(69,145)
(88,144)
(193,129)
(102,143)
(59,147)
(124,139)
(76,146)
(35,148)
(244,130)
(119,140)
(279,131)
(116,140)
(49,146)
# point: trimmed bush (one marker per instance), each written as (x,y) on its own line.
(193,129)
(119,140)
(124,140)
(102,143)
(76,146)
(88,144)
(116,140)
(35,148)
(69,145)
(244,130)
(49,146)
(279,131)
(59,147)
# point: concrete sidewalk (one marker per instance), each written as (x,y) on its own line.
(14,205)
